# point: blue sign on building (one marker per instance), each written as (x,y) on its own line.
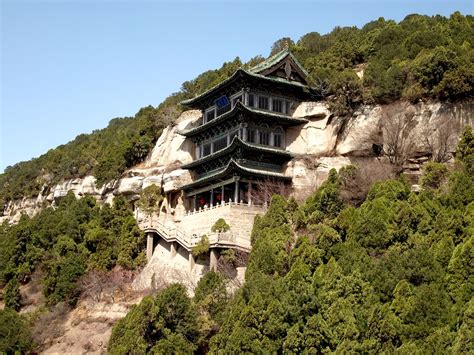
(222,101)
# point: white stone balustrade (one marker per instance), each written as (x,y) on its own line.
(194,225)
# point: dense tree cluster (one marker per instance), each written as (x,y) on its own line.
(171,322)
(420,57)
(393,274)
(15,335)
(66,242)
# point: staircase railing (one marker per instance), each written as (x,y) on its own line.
(226,239)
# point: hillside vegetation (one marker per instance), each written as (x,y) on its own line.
(66,242)
(394,274)
(421,57)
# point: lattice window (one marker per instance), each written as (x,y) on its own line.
(263,102)
(251,135)
(277,140)
(264,138)
(220,143)
(251,100)
(206,149)
(277,105)
(210,115)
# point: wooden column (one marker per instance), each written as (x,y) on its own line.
(236,191)
(149,245)
(250,193)
(212,198)
(222,192)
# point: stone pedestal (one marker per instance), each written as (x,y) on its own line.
(179,211)
(173,247)
(192,262)
(149,245)
(213,262)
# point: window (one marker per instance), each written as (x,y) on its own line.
(264,138)
(220,143)
(206,149)
(287,107)
(250,135)
(263,102)
(277,140)
(277,105)
(210,115)
(251,100)
(222,110)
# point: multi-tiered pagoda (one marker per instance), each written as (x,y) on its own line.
(241,140)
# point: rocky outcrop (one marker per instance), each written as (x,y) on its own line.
(172,148)
(165,267)
(162,167)
(323,143)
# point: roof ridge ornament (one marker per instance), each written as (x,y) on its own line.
(288,70)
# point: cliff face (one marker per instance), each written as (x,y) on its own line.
(408,132)
(411,133)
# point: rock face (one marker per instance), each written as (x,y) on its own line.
(165,267)
(162,167)
(323,143)
(172,148)
(327,142)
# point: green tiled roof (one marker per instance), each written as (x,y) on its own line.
(234,166)
(240,107)
(274,59)
(247,73)
(237,142)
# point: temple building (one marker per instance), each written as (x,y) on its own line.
(240,142)
(238,145)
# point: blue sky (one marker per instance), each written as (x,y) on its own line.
(68,67)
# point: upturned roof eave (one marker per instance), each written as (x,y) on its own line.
(193,101)
(235,166)
(240,107)
(275,59)
(236,142)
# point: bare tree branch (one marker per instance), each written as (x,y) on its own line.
(396,125)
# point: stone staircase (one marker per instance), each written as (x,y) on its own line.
(198,223)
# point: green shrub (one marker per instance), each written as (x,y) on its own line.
(66,241)
(165,323)
(150,199)
(434,175)
(465,150)
(220,226)
(15,335)
(229,256)
(11,294)
(202,247)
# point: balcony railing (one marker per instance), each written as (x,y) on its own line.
(207,208)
